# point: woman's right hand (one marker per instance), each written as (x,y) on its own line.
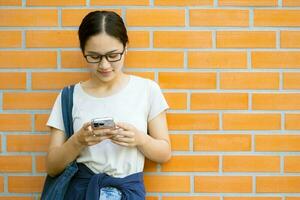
(86,136)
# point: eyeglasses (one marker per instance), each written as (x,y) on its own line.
(111,57)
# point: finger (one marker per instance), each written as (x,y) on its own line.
(121,143)
(123,139)
(114,132)
(97,139)
(100,132)
(87,126)
(126,133)
(88,133)
(123,125)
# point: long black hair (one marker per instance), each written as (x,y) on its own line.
(102,21)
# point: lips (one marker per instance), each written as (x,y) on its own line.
(104,73)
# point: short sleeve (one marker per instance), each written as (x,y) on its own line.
(157,101)
(55,119)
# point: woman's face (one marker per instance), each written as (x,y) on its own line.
(111,64)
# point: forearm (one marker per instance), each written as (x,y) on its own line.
(58,158)
(157,150)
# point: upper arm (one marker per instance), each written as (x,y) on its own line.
(158,127)
(57,138)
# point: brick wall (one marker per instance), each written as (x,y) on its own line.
(230,70)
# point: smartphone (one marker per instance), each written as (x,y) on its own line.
(103,123)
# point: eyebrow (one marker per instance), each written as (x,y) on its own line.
(104,54)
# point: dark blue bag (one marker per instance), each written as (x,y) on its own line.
(55,187)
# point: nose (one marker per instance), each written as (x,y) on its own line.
(104,64)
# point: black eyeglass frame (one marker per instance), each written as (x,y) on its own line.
(106,57)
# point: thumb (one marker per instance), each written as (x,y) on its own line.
(86,126)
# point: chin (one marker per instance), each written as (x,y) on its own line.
(108,78)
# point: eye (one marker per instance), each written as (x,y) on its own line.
(112,55)
(94,57)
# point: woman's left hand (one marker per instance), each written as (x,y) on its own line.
(127,135)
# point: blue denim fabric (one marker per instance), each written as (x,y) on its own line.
(110,193)
(86,185)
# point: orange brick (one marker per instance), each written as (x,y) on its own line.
(222,142)
(192,198)
(33,184)
(55,3)
(15,122)
(237,184)
(183,3)
(292,121)
(73,17)
(10,39)
(57,80)
(28,59)
(191,164)
(16,198)
(219,17)
(151,198)
(291,80)
(182,39)
(275,101)
(277,142)
(193,121)
(52,38)
(28,100)
(180,142)
(148,75)
(119,3)
(292,198)
(273,59)
(252,198)
(154,59)
(155,183)
(13,80)
(247,3)
(292,164)
(150,166)
(276,17)
(1,184)
(289,39)
(249,80)
(155,17)
(219,59)
(138,39)
(290,3)
(277,184)
(40,121)
(27,143)
(15,164)
(251,163)
(40,163)
(251,121)
(246,39)
(28,17)
(219,101)
(176,100)
(72,59)
(187,80)
(10,3)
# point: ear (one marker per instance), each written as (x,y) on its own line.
(126,48)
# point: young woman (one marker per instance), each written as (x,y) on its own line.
(110,161)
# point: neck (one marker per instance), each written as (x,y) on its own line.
(102,85)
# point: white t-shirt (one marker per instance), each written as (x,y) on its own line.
(137,103)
